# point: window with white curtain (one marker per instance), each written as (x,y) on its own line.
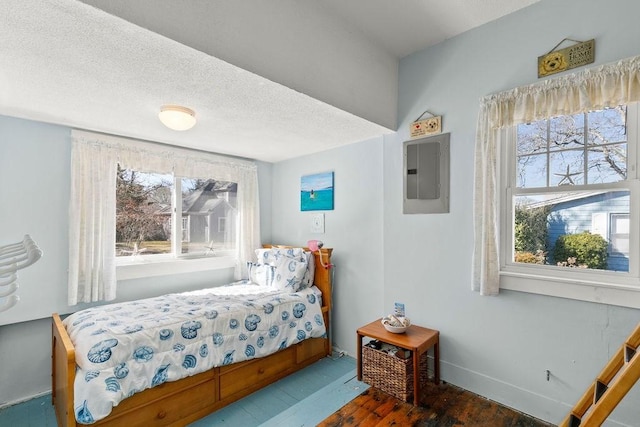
(557,162)
(142,209)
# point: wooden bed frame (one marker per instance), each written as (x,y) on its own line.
(181,402)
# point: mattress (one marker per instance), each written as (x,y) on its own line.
(128,347)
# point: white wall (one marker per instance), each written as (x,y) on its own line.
(34,199)
(34,196)
(499,347)
(353,228)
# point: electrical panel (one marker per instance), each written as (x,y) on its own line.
(426,175)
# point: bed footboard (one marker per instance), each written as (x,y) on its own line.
(63,369)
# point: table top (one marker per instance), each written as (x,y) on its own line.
(415,338)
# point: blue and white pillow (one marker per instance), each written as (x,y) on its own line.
(273,255)
(289,274)
(309,275)
(261,274)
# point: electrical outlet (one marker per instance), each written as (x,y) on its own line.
(317,223)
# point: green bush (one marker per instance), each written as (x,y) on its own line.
(587,249)
(530,232)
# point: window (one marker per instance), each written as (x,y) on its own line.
(579,164)
(185,228)
(143,213)
(571,189)
(614,227)
(619,235)
(141,195)
(147,207)
(559,164)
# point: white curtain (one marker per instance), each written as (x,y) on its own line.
(98,203)
(596,88)
(92,223)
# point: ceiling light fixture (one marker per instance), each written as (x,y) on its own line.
(177,117)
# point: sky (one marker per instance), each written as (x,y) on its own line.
(316,182)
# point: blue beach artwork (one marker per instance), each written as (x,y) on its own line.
(316,192)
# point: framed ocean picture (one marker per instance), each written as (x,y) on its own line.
(316,192)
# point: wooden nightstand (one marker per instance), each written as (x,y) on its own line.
(416,339)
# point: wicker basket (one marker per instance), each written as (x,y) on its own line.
(392,374)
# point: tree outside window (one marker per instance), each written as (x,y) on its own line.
(145,214)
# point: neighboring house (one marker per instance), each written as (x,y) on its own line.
(606,214)
(208,213)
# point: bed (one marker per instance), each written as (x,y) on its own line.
(182,401)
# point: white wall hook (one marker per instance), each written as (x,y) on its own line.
(10,289)
(9,302)
(13,257)
(8,279)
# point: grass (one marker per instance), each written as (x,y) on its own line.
(164,247)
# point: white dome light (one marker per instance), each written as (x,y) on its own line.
(177,117)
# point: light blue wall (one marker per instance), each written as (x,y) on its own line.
(34,199)
(353,228)
(499,347)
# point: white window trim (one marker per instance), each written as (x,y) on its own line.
(615,288)
(157,265)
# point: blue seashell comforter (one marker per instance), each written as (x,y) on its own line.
(125,348)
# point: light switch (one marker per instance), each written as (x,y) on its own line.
(317,223)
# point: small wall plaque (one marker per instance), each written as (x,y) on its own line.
(576,55)
(425,127)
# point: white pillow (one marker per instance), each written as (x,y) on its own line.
(261,274)
(289,273)
(309,275)
(263,255)
(272,255)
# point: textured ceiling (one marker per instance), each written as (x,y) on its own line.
(65,62)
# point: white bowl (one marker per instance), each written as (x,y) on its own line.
(395,329)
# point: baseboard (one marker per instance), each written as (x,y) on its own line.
(24,399)
(510,395)
(337,352)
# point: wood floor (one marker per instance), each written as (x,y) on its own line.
(442,405)
(302,399)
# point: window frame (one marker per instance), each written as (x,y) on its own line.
(611,232)
(176,262)
(609,287)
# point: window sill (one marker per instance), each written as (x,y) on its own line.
(129,269)
(592,291)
